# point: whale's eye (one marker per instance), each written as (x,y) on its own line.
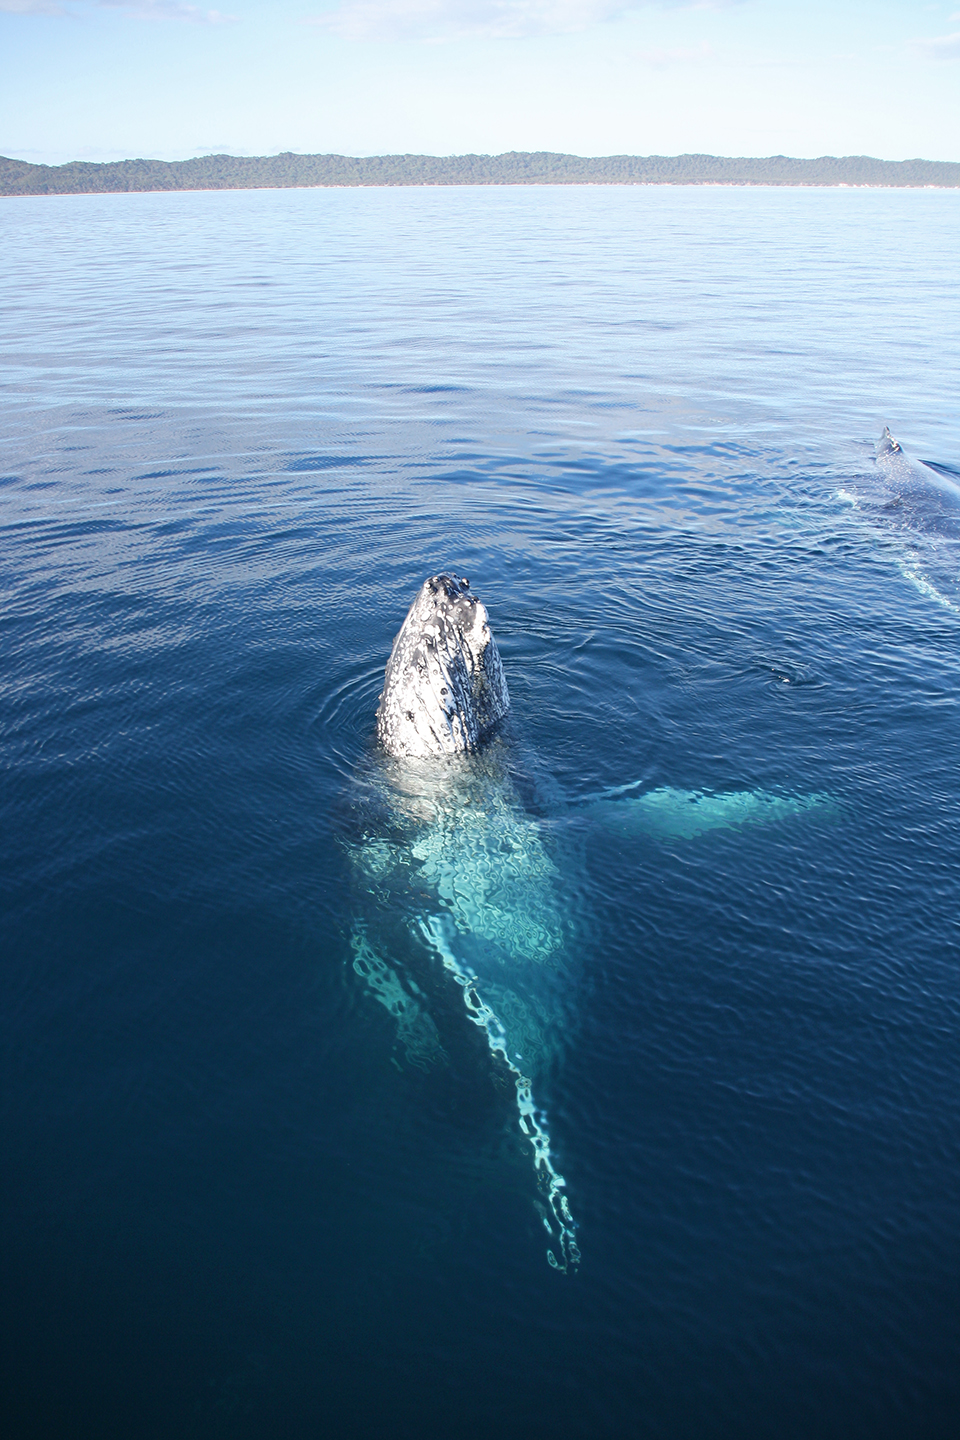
(464,583)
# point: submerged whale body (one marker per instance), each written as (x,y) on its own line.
(466,890)
(470,902)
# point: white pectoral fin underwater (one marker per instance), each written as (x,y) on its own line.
(469,905)
(670,814)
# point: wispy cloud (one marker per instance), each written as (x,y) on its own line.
(31,7)
(142,9)
(168,10)
(940,47)
(466,19)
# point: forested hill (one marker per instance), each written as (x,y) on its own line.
(231,172)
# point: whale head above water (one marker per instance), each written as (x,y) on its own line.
(444,690)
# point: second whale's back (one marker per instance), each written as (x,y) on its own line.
(909,477)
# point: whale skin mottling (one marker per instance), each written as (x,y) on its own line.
(444,689)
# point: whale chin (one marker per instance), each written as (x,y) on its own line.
(444,690)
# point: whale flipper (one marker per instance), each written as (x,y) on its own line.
(501,1042)
(473,885)
(416,1028)
(670,814)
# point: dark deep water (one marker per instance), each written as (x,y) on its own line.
(237,431)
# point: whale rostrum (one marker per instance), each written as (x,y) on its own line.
(444,689)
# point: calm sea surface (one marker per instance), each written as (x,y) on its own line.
(236,432)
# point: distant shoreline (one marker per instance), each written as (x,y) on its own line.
(290,171)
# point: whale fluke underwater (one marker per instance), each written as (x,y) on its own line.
(469,906)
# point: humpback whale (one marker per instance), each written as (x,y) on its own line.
(468,911)
(908,479)
(915,506)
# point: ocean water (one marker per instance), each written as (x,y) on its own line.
(237,430)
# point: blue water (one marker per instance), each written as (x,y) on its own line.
(238,429)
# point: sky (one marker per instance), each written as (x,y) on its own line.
(166,79)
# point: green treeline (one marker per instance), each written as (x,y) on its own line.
(232,172)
